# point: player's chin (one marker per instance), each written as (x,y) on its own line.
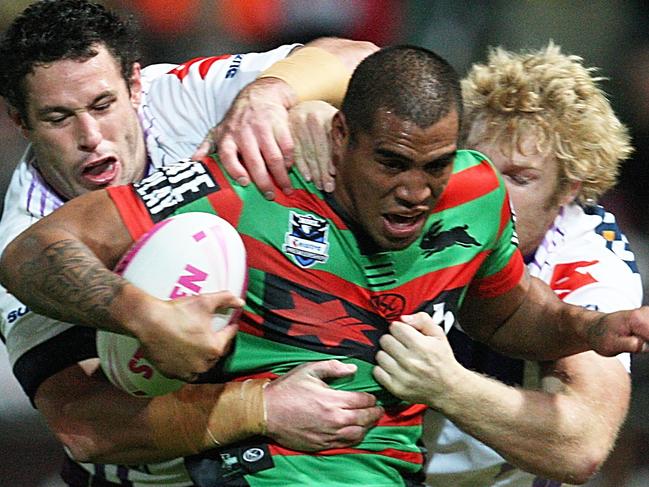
(398,240)
(399,235)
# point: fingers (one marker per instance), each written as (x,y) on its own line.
(621,344)
(330,369)
(221,301)
(206,148)
(229,155)
(321,158)
(383,378)
(387,362)
(311,124)
(424,323)
(303,152)
(401,338)
(331,170)
(283,140)
(358,422)
(268,164)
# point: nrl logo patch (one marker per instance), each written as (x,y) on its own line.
(306,239)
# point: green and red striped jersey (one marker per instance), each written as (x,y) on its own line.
(316,292)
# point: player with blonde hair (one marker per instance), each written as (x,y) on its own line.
(545,122)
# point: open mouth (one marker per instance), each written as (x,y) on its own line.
(100,172)
(403,226)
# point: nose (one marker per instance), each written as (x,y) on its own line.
(414,189)
(88,132)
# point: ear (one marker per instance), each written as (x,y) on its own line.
(573,190)
(339,137)
(135,86)
(18,121)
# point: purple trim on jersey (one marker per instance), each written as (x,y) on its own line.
(30,192)
(147,127)
(43,201)
(46,191)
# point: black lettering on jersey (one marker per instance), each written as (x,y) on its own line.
(435,240)
(234,66)
(14,314)
(174,186)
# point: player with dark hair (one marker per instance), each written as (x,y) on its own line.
(332,289)
(56,20)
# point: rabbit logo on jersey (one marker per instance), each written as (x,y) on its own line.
(306,239)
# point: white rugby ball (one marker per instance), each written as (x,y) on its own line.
(187,254)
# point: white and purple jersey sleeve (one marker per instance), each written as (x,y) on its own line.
(182,103)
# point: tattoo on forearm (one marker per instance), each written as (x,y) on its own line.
(71,284)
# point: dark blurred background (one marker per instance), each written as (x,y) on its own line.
(612,35)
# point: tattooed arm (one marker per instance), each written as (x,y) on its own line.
(60,267)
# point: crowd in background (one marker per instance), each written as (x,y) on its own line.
(610,35)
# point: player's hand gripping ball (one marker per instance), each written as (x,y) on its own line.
(187,254)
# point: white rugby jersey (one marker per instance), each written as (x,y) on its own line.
(587,261)
(180,104)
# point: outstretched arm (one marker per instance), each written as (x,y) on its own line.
(99,423)
(254,140)
(531,322)
(563,432)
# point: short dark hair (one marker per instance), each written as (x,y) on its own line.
(52,30)
(412,82)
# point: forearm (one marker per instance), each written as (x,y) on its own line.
(564,433)
(59,267)
(99,423)
(62,278)
(319,71)
(96,421)
(543,327)
(349,52)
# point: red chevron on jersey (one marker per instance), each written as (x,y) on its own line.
(182,70)
(330,332)
(467,185)
(566,278)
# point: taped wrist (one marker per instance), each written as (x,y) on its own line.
(313,73)
(202,416)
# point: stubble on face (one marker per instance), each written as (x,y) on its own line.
(83,124)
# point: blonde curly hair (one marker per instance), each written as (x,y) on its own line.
(553,97)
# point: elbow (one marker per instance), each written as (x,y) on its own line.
(576,467)
(588,461)
(80,448)
(83,442)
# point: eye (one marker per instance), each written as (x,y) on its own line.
(392,165)
(103,106)
(439,165)
(519,179)
(56,118)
